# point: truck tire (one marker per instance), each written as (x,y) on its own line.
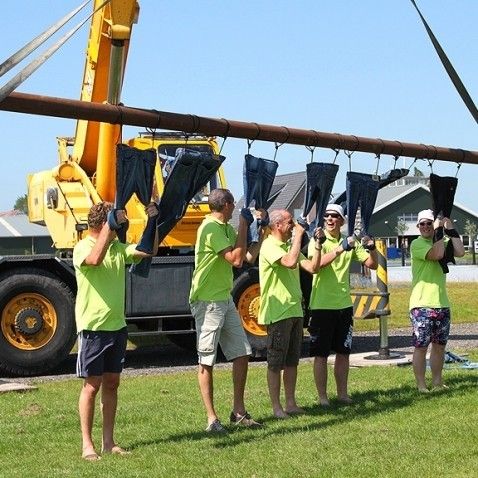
(37,325)
(246,295)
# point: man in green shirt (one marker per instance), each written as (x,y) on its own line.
(218,250)
(281,305)
(429,304)
(99,262)
(331,323)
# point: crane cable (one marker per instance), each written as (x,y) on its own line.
(20,77)
(460,87)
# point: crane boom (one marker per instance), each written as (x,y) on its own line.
(106,55)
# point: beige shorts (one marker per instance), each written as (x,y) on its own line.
(219,323)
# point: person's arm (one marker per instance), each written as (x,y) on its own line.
(312,265)
(452,233)
(236,255)
(291,259)
(98,252)
(330,257)
(437,251)
(253,250)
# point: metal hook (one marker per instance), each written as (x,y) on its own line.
(152,131)
(383,147)
(228,127)
(337,151)
(278,145)
(458,169)
(311,149)
(249,142)
(349,155)
(377,156)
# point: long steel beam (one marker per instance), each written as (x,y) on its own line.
(65,108)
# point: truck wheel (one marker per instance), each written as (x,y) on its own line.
(37,326)
(246,295)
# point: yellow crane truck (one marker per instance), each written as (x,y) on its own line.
(37,292)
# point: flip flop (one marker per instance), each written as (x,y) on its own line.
(91,457)
(117,450)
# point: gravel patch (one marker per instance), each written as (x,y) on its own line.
(169,358)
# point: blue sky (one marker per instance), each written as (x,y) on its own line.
(354,67)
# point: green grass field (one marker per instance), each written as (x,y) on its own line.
(463,299)
(391,430)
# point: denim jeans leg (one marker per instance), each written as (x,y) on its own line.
(362,190)
(442,189)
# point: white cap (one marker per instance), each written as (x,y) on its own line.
(425,214)
(335,208)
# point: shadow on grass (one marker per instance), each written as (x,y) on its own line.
(366,404)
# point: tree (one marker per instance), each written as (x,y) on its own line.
(417,172)
(21,204)
(471,230)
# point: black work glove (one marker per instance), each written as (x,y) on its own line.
(247,215)
(302,222)
(369,244)
(346,246)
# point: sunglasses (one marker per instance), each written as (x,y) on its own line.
(425,223)
(332,215)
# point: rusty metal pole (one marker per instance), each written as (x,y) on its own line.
(189,123)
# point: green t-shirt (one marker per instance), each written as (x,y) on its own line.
(100,299)
(281,295)
(331,285)
(212,277)
(428,279)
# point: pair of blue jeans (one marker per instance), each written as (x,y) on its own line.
(361,190)
(258,178)
(134,174)
(442,189)
(192,170)
(319,181)
(384,180)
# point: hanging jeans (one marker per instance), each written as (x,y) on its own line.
(258,175)
(361,190)
(258,178)
(384,180)
(442,189)
(134,174)
(192,171)
(320,178)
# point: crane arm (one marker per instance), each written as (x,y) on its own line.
(106,54)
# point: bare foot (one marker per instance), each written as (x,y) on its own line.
(345,400)
(281,414)
(116,450)
(324,402)
(295,410)
(90,454)
(423,390)
(440,386)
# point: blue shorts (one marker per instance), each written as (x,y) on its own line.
(101,352)
(430,325)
